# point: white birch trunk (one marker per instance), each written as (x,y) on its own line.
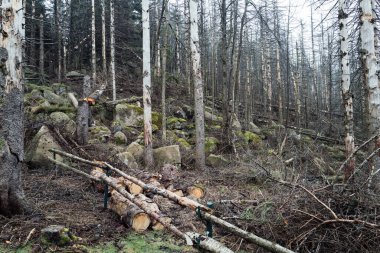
(59,33)
(42,50)
(345,81)
(198,86)
(93,40)
(112,35)
(279,85)
(148,151)
(104,57)
(11,106)
(367,35)
(33,35)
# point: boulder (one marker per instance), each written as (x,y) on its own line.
(74,74)
(183,144)
(252,138)
(53,98)
(59,88)
(167,155)
(175,123)
(99,134)
(253,128)
(56,234)
(212,117)
(37,152)
(216,161)
(136,150)
(120,138)
(129,115)
(63,122)
(128,159)
(188,110)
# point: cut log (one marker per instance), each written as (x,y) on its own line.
(73,99)
(196,192)
(132,187)
(99,186)
(129,213)
(163,192)
(208,243)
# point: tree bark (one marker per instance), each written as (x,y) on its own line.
(198,87)
(112,35)
(42,50)
(93,42)
(83,113)
(12,199)
(148,150)
(163,80)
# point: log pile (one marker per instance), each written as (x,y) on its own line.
(138,211)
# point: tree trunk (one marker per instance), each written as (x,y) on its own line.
(198,87)
(12,199)
(83,113)
(371,84)
(148,150)
(33,35)
(163,80)
(104,56)
(42,50)
(59,37)
(112,35)
(93,42)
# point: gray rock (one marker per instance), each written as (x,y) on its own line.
(212,117)
(136,150)
(120,138)
(236,124)
(37,152)
(130,115)
(63,122)
(99,134)
(216,161)
(128,159)
(53,98)
(167,155)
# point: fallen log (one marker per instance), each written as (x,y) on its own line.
(208,243)
(125,100)
(73,99)
(250,237)
(196,191)
(130,215)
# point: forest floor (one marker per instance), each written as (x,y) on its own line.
(282,186)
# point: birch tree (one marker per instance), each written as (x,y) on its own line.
(370,79)
(198,87)
(163,76)
(112,35)
(345,82)
(148,150)
(93,41)
(104,57)
(12,198)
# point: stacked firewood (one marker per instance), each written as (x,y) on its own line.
(131,215)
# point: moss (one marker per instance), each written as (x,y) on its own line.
(32,86)
(54,108)
(174,120)
(253,138)
(211,144)
(157,119)
(2,142)
(136,108)
(183,143)
(155,128)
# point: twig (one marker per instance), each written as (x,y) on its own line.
(319,201)
(355,151)
(29,236)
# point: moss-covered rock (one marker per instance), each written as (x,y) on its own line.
(130,115)
(53,98)
(175,123)
(37,152)
(136,150)
(167,155)
(157,119)
(253,128)
(211,144)
(99,134)
(59,88)
(216,161)
(128,159)
(183,144)
(31,86)
(120,138)
(252,138)
(63,122)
